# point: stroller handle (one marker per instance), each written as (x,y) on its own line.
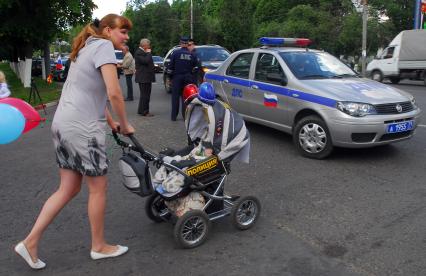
(136,145)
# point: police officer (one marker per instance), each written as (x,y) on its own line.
(181,67)
(195,71)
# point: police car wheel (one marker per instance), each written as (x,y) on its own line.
(153,207)
(191,229)
(312,138)
(245,212)
(377,76)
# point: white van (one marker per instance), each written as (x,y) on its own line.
(404,58)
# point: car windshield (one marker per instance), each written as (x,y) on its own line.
(157,59)
(314,65)
(211,54)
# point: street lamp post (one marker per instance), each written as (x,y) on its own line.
(192,22)
(364,35)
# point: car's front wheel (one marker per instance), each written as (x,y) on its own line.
(312,138)
(377,75)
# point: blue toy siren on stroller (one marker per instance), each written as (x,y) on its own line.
(206,177)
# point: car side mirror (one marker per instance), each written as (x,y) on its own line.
(277,78)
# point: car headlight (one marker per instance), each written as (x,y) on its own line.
(205,69)
(356,109)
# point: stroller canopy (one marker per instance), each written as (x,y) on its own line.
(221,126)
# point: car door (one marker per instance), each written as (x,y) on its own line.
(236,82)
(268,95)
(389,62)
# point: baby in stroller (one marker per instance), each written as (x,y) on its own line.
(169,182)
(188,187)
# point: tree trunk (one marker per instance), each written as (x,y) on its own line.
(46,57)
(28,64)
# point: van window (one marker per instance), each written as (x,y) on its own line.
(240,67)
(389,53)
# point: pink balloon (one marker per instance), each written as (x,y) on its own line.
(32,117)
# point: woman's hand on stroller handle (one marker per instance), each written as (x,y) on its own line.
(126,130)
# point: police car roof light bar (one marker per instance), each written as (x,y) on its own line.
(281,41)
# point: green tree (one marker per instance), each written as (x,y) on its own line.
(34,23)
(236,23)
(399,12)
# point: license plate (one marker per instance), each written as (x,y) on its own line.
(400,127)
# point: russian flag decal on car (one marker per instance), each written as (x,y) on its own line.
(270,100)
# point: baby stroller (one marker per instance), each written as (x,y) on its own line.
(226,131)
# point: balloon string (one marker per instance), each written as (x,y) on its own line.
(41,120)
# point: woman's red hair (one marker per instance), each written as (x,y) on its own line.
(96,29)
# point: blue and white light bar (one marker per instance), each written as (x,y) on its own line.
(284,41)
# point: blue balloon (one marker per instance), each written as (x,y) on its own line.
(12,123)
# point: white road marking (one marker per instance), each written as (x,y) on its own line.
(421,125)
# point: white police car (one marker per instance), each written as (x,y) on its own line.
(314,96)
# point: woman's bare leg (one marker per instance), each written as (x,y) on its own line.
(69,187)
(96,210)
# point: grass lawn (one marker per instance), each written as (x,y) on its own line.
(48,92)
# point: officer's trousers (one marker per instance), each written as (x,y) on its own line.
(145,89)
(178,83)
(129,84)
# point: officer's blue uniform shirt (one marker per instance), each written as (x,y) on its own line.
(182,62)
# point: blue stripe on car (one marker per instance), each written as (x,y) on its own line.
(276,89)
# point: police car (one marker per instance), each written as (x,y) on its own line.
(313,96)
(210,56)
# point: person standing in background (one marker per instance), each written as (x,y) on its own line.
(4,90)
(145,75)
(128,66)
(180,68)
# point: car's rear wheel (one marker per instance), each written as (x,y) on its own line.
(377,75)
(312,137)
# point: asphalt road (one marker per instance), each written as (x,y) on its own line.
(360,212)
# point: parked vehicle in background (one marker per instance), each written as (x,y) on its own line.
(36,68)
(58,69)
(158,64)
(210,56)
(119,55)
(404,58)
(313,96)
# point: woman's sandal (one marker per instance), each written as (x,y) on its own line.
(120,251)
(22,251)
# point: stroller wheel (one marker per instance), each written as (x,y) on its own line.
(154,206)
(192,229)
(245,212)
